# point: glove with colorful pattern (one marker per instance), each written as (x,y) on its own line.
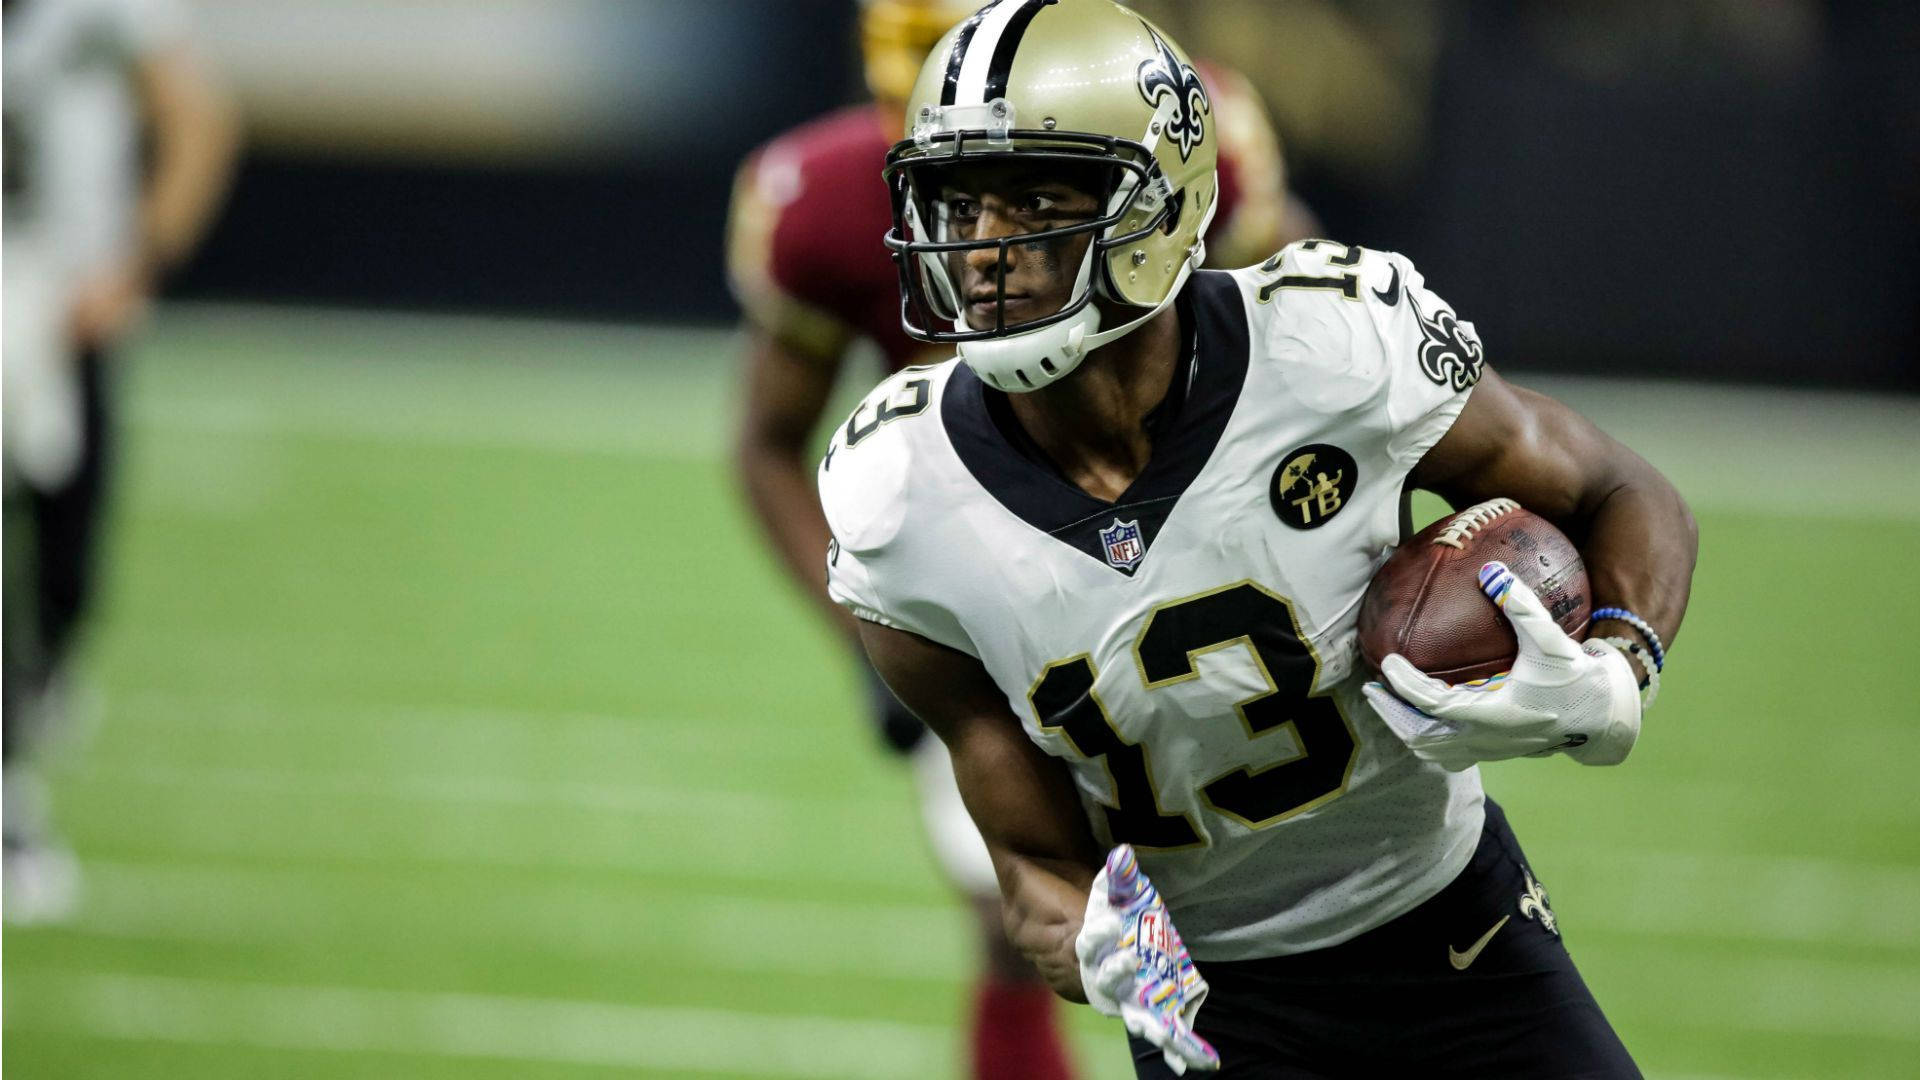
(1133,964)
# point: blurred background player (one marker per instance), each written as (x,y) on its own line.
(812,277)
(119,146)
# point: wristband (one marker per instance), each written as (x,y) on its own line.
(1650,688)
(1653,637)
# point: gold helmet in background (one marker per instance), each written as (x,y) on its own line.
(1061,84)
(897,35)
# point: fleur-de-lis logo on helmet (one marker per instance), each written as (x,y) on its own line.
(1164,75)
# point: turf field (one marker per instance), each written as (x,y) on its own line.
(451,723)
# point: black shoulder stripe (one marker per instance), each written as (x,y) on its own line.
(1002,66)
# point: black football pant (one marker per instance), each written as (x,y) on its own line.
(52,546)
(1393,1002)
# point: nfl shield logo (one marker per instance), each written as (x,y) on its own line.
(1123,545)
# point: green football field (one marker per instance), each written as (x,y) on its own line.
(449,721)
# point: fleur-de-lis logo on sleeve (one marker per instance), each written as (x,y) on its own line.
(1164,76)
(1450,350)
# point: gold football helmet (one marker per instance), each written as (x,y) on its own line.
(1062,84)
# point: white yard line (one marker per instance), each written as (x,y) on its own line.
(741,808)
(753,835)
(599,922)
(267,713)
(682,1040)
(1713,896)
(345,1019)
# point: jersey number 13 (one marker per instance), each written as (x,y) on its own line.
(1172,640)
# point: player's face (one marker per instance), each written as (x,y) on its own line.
(989,201)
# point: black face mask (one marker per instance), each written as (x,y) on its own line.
(930,300)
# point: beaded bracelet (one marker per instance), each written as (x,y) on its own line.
(1640,624)
(1649,689)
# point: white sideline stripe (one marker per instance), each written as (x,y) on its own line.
(351,1020)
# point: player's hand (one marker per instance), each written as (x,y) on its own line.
(1562,694)
(109,305)
(1133,964)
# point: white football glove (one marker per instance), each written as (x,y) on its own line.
(1134,965)
(1580,697)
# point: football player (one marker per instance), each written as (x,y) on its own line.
(119,146)
(1066,553)
(813,279)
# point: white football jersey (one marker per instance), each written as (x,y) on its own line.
(1189,649)
(73,163)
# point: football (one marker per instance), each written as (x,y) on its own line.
(1425,602)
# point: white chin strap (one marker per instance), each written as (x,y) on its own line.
(1024,362)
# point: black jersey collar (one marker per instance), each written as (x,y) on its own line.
(1186,426)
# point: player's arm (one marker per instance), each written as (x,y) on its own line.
(786,392)
(1634,530)
(793,355)
(1638,540)
(1091,924)
(192,128)
(1022,801)
(195,131)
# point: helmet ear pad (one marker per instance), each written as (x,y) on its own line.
(1143,272)
(1169,224)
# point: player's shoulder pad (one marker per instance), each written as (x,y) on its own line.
(869,461)
(1339,319)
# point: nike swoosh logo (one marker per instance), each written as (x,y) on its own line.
(1392,294)
(1461,961)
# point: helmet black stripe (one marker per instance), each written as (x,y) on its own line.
(1009,43)
(959,53)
